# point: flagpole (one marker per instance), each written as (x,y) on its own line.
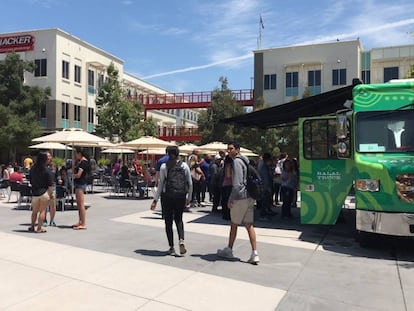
(259,40)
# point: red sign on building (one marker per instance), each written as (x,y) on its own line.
(17,43)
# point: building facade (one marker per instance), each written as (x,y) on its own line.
(284,74)
(74,70)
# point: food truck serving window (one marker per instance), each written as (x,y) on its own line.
(319,139)
(385,131)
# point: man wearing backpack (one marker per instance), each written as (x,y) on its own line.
(175,187)
(241,205)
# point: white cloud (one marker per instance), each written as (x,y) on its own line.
(192,68)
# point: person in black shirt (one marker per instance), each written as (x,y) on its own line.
(42,191)
(80,175)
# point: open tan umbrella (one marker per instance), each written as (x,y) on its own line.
(247,152)
(147,142)
(117,150)
(50,146)
(74,137)
(158,151)
(187,148)
(214,146)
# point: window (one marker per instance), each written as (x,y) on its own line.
(77,113)
(91,78)
(270,82)
(65,111)
(41,67)
(65,69)
(292,83)
(77,71)
(100,80)
(91,82)
(366,76)
(339,76)
(385,131)
(314,78)
(390,73)
(319,139)
(91,116)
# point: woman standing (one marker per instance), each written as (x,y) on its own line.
(80,175)
(42,191)
(289,182)
(176,188)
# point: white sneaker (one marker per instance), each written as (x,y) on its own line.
(226,252)
(254,259)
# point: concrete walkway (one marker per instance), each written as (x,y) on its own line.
(120,263)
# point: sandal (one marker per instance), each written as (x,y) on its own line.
(76,225)
(41,231)
(79,228)
(31,229)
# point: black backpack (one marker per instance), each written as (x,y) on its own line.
(254,183)
(176,183)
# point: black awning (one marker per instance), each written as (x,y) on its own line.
(317,105)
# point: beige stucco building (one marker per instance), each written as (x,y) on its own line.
(283,74)
(74,70)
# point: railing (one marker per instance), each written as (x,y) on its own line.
(179,133)
(188,100)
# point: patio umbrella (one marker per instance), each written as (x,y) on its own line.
(147,142)
(187,148)
(74,137)
(118,150)
(158,151)
(214,146)
(50,146)
(247,152)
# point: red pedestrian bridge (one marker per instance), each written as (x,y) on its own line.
(191,100)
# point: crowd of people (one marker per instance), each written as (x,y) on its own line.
(45,181)
(223,177)
(220,178)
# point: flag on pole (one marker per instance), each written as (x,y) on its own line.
(261,21)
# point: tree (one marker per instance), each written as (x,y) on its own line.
(410,73)
(117,115)
(307,92)
(223,106)
(20,107)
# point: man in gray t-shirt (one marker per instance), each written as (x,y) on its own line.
(241,205)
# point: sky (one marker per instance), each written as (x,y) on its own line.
(187,45)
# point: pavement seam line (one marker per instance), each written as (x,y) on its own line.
(400,281)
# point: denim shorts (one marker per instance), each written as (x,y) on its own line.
(80,186)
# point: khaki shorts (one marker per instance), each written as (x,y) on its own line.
(242,211)
(41,198)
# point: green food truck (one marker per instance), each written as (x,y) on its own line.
(368,146)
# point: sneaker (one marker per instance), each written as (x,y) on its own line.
(182,248)
(171,251)
(52,223)
(44,223)
(226,252)
(254,259)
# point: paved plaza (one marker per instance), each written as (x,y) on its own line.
(120,263)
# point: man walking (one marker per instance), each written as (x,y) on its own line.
(241,205)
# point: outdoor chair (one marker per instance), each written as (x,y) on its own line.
(61,194)
(115,186)
(4,187)
(25,193)
(14,188)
